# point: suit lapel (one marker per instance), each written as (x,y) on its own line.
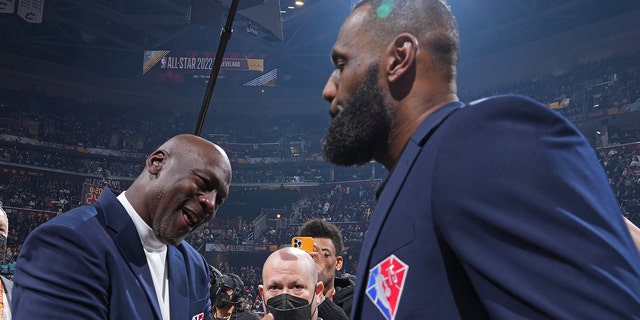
(126,238)
(390,192)
(178,293)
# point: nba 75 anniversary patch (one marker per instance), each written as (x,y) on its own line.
(385,285)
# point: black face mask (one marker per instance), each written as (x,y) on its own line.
(288,307)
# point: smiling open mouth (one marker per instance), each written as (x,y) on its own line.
(189,218)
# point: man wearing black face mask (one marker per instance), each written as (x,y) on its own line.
(226,301)
(290,289)
(6,285)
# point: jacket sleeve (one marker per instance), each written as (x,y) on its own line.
(60,275)
(522,201)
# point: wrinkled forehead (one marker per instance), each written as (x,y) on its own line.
(285,278)
(209,161)
(290,264)
(217,157)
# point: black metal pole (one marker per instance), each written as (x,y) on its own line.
(225,35)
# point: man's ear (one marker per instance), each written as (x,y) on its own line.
(319,288)
(402,55)
(264,302)
(339,262)
(155,161)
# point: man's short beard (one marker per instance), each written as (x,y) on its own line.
(362,128)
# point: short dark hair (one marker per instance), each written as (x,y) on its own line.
(430,20)
(319,228)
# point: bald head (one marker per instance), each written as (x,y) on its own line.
(184,182)
(291,271)
(188,145)
(182,141)
(290,255)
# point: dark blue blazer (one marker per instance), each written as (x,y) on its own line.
(89,263)
(497,210)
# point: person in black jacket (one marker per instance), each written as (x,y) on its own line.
(343,296)
(328,246)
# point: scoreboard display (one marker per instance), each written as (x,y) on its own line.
(90,193)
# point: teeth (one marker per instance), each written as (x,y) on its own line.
(190,221)
(192,217)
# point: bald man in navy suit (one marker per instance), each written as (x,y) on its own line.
(125,256)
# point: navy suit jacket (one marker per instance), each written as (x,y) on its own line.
(89,263)
(501,210)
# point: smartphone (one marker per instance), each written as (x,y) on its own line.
(304,243)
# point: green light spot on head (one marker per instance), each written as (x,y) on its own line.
(384,10)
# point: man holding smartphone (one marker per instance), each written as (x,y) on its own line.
(338,292)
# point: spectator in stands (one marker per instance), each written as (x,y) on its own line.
(6,285)
(327,255)
(496,209)
(290,288)
(124,257)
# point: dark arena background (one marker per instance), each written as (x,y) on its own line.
(89,88)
